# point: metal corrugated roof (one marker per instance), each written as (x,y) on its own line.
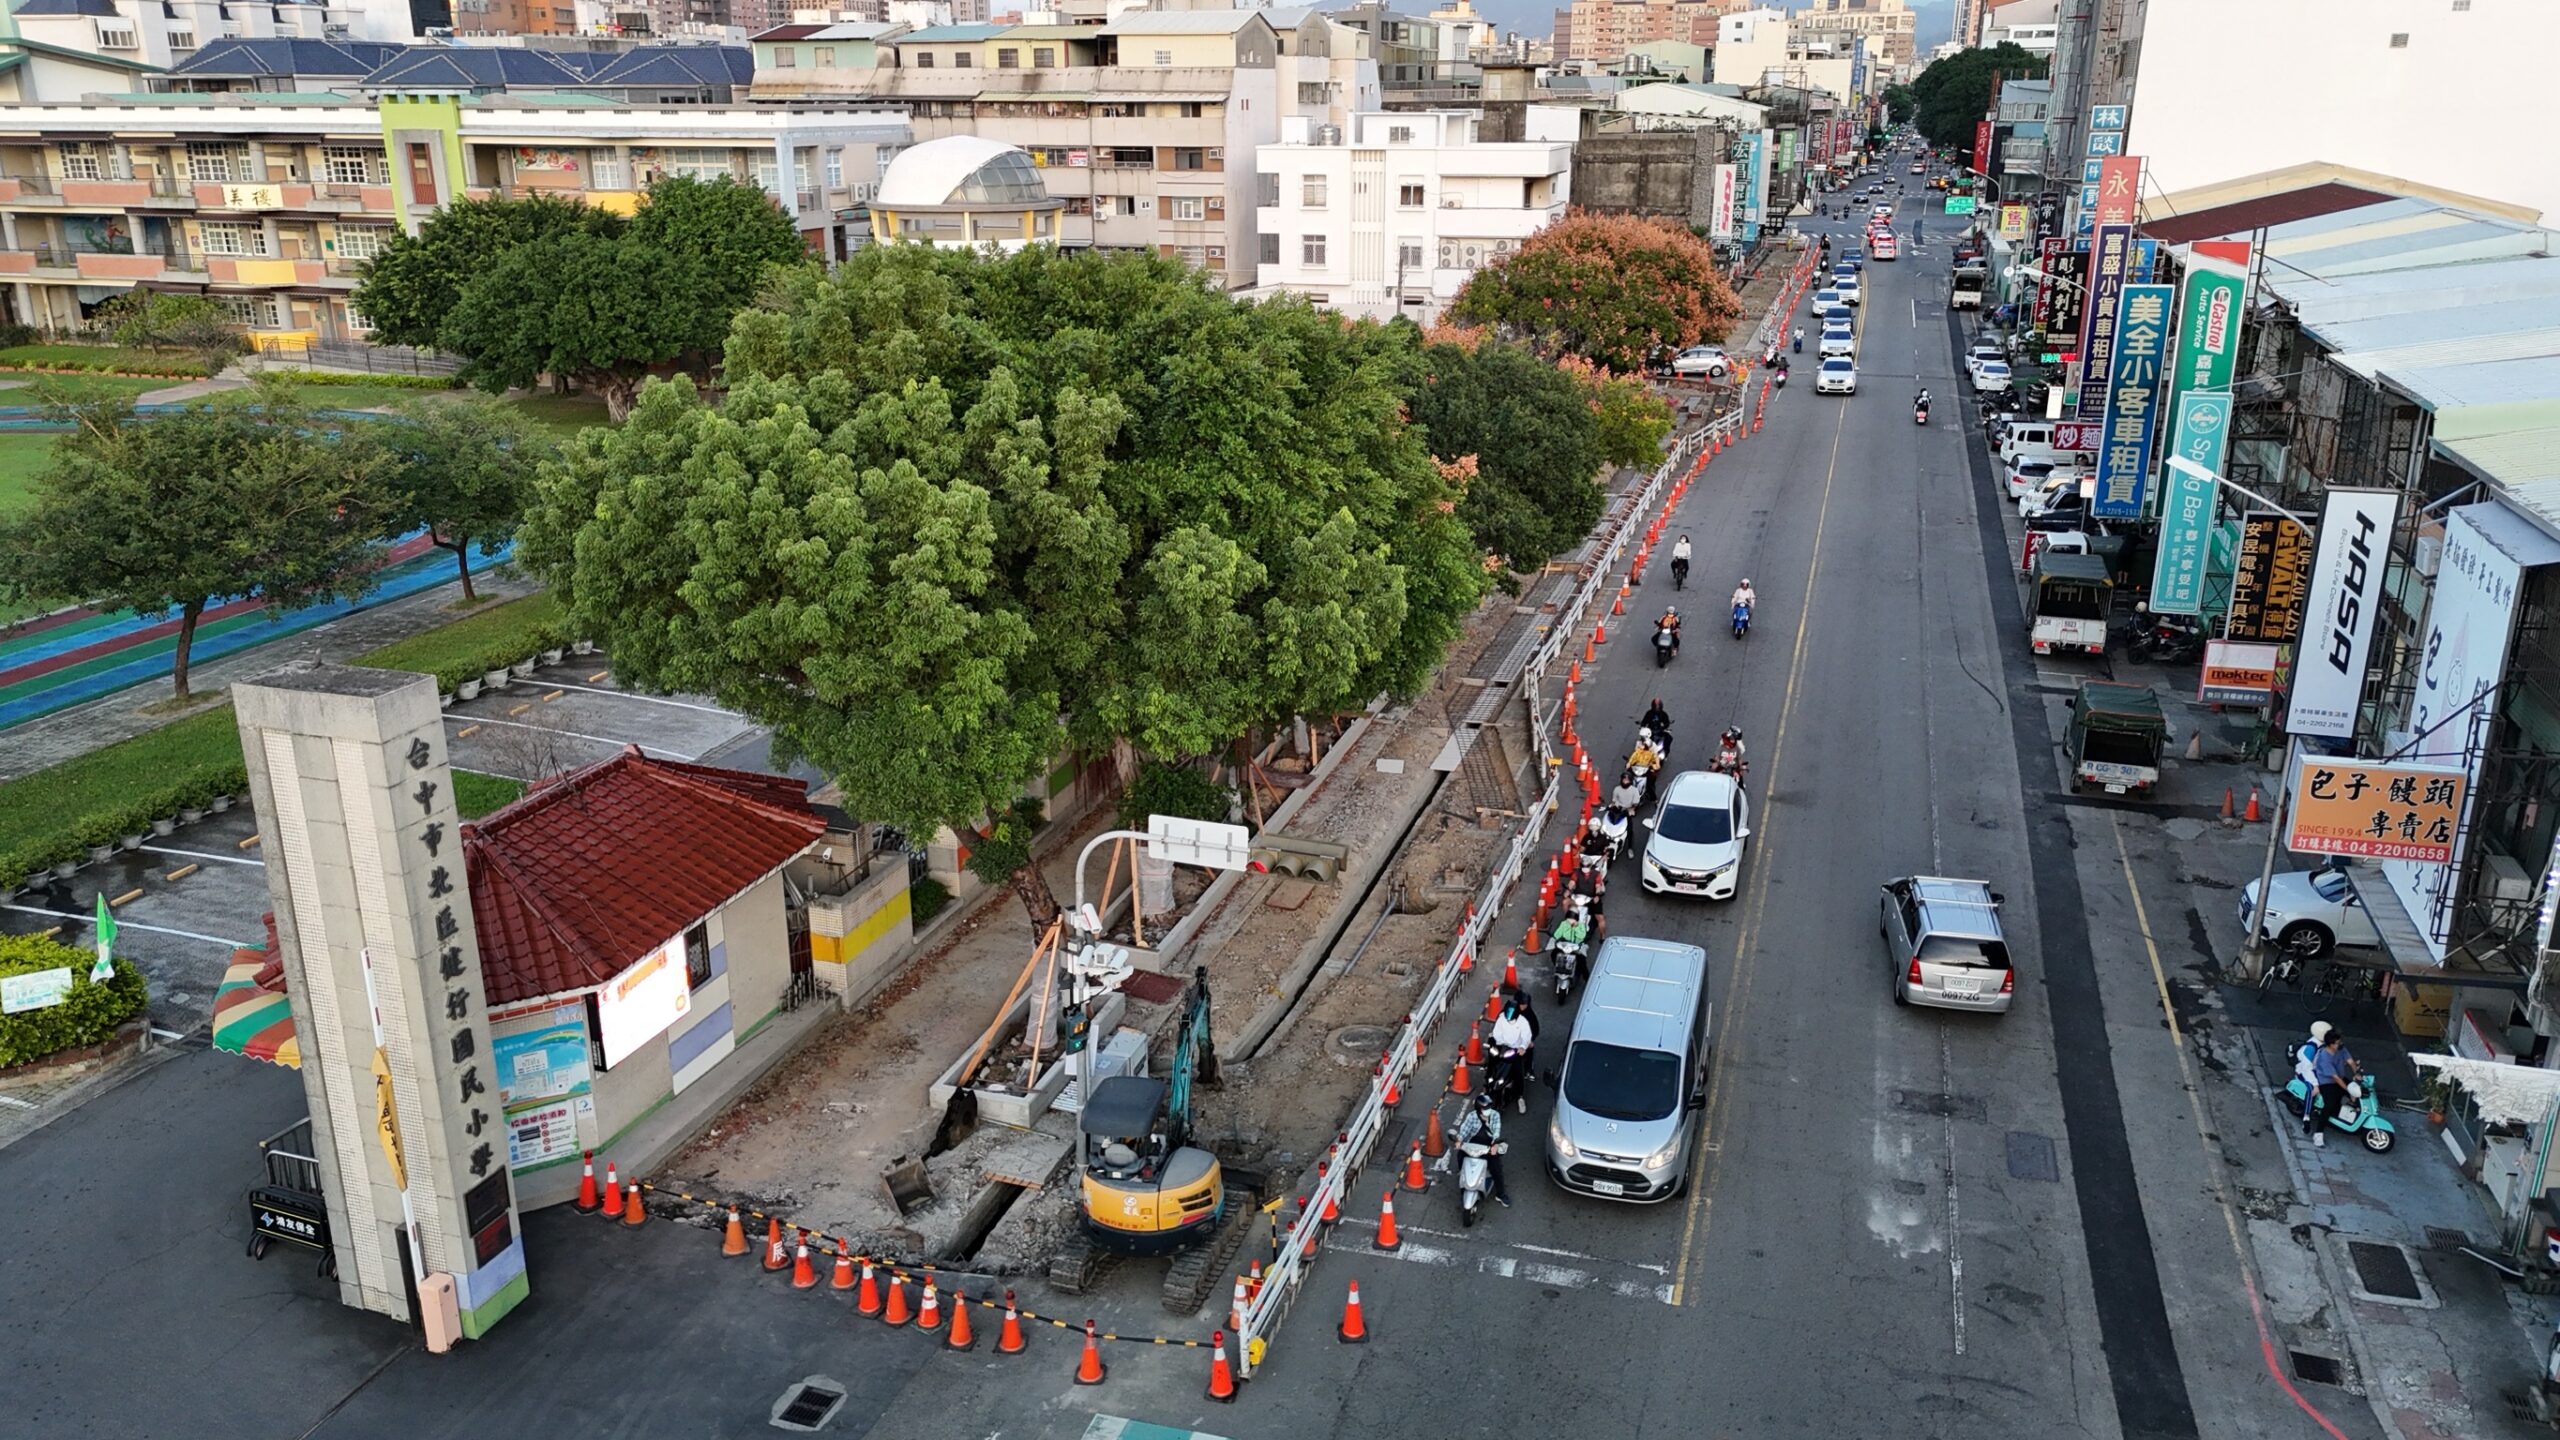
(2390,292)
(2486,349)
(2488,420)
(1181,22)
(2459,391)
(2420,325)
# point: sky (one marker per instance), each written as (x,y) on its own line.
(1537,17)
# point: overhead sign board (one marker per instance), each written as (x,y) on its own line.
(2132,402)
(2187,494)
(2346,595)
(2237,672)
(2374,810)
(2110,253)
(2268,579)
(640,1003)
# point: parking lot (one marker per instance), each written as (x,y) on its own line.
(190,898)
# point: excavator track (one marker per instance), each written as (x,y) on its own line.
(1197,1273)
(1080,1264)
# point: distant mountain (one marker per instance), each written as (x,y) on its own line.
(1535,18)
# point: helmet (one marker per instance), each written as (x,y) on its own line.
(1670,609)
(2319,1032)
(1484,1100)
(1746,582)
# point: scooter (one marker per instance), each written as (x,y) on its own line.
(1679,573)
(1666,643)
(1919,414)
(1780,377)
(1570,954)
(1506,1079)
(2170,640)
(1741,621)
(1475,1176)
(2365,1121)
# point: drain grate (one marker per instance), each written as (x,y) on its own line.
(2384,1270)
(808,1405)
(2441,1238)
(2318,1369)
(2031,1157)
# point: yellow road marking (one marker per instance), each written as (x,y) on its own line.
(1694,1224)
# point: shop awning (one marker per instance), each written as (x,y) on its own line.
(251,1020)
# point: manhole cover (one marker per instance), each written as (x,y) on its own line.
(1920,1102)
(808,1405)
(2384,1270)
(2318,1369)
(1360,1044)
(2031,1158)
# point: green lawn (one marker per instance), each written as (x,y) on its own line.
(22,456)
(495,636)
(35,390)
(98,357)
(563,415)
(124,784)
(475,794)
(360,397)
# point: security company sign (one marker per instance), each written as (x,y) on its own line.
(2374,810)
(2346,589)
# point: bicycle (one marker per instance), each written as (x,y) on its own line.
(805,986)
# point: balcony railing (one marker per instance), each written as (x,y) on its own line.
(32,184)
(347,189)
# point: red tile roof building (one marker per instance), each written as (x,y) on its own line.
(593,869)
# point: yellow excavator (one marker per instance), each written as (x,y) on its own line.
(1147,1189)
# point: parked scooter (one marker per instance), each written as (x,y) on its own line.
(2363,1119)
(2169,640)
(1475,1176)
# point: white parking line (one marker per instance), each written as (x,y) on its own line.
(124,924)
(206,855)
(662,752)
(633,695)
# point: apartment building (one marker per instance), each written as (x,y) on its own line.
(1391,216)
(160,34)
(1605,30)
(1891,25)
(272,203)
(1143,128)
(1761,47)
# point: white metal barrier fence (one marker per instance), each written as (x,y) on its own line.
(1359,1134)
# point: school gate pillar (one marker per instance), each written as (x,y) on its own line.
(348,772)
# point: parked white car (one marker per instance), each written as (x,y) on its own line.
(1706,360)
(1989,374)
(2310,912)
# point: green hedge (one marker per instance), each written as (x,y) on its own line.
(100,359)
(344,377)
(58,812)
(90,1014)
(469,648)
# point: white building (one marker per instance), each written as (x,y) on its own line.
(1393,218)
(2456,93)
(159,33)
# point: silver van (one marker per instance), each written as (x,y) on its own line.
(1634,1079)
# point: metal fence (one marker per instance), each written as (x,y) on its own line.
(1299,1244)
(380,359)
(291,1158)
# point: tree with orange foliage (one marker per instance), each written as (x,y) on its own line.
(1609,288)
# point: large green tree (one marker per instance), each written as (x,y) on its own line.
(171,320)
(540,286)
(461,469)
(1954,94)
(955,511)
(1612,289)
(193,506)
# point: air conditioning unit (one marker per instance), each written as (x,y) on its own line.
(336,32)
(2428,555)
(2504,879)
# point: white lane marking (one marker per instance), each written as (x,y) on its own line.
(452,719)
(206,855)
(1536,1272)
(635,695)
(1955,1232)
(124,924)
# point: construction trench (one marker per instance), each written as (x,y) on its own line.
(1312,986)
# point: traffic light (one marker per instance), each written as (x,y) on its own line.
(1317,860)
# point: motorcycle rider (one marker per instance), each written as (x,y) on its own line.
(1670,621)
(1920,406)
(2333,1070)
(1630,792)
(1483,1121)
(1657,720)
(1574,929)
(1799,339)
(1729,758)
(1680,562)
(2303,1054)
(1743,594)
(1595,843)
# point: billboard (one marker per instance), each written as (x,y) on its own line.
(2210,304)
(2187,496)
(2346,595)
(1720,224)
(2013,222)
(2132,402)
(2267,578)
(1981,147)
(637,1005)
(544,1081)
(2119,189)
(2109,254)
(2237,672)
(2374,810)
(1753,157)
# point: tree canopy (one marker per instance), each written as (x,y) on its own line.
(1953,94)
(1899,103)
(461,469)
(171,320)
(1610,288)
(534,286)
(955,511)
(198,505)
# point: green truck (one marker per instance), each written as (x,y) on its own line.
(2117,736)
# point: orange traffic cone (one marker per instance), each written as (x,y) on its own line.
(1253,1282)
(1333,1209)
(896,1313)
(1619,605)
(867,1301)
(2226,802)
(1413,1177)
(1493,1004)
(1475,1043)
(1388,1239)
(843,1278)
(804,1276)
(612,1193)
(961,1337)
(2251,815)
(1089,1369)
(929,1315)
(1009,1339)
(632,1212)
(775,1256)
(1393,1098)
(1600,632)
(1235,1307)
(733,1241)
(1458,1082)
(1354,1330)
(587,1201)
(1434,1144)
(1222,1379)
(1511,973)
